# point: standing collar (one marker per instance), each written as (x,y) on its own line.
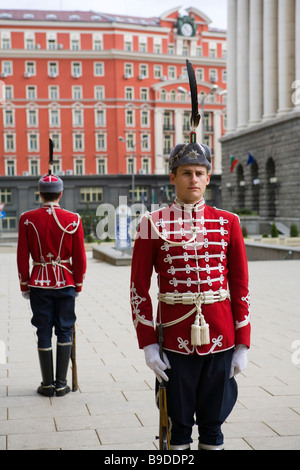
(190,207)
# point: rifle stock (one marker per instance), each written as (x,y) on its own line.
(73,360)
(164,432)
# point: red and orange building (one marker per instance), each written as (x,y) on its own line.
(86,78)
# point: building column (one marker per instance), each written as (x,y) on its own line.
(242,63)
(158,137)
(217,144)
(231,66)
(286,51)
(270,63)
(256,61)
(297,56)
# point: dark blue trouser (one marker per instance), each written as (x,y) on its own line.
(199,386)
(53,308)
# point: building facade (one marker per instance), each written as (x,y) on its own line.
(111,91)
(263,107)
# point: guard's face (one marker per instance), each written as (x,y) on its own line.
(190,182)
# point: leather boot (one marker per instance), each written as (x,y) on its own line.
(63,353)
(46,363)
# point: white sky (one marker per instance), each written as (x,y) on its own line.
(216,10)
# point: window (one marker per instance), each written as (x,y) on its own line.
(53,69)
(33,142)
(97,42)
(9,118)
(6,196)
(142,44)
(79,166)
(213,75)
(75,44)
(128,43)
(199,74)
(99,92)
(145,143)
(172,73)
(9,92)
(91,195)
(31,93)
(157,46)
(29,43)
(78,143)
(99,69)
(144,94)
(157,71)
(140,193)
(34,167)
(100,142)
(7,67)
(32,118)
(10,167)
(146,167)
(51,43)
(9,222)
(54,118)
(129,93)
(76,69)
(77,117)
(130,166)
(101,166)
(130,139)
(53,92)
(100,118)
(9,142)
(145,121)
(30,68)
(129,113)
(77,92)
(5,41)
(212,50)
(143,70)
(128,70)
(56,138)
(171,49)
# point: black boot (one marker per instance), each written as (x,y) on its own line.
(63,353)
(46,362)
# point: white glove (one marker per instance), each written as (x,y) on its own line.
(26,295)
(239,360)
(155,363)
(77,294)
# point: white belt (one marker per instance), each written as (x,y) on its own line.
(200,329)
(191,298)
(54,263)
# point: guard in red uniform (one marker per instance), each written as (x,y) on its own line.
(53,238)
(199,256)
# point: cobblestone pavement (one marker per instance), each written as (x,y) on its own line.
(114,408)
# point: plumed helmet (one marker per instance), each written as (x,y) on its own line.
(190,154)
(50,184)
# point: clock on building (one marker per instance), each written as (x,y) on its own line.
(186,26)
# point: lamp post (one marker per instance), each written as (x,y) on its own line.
(122,139)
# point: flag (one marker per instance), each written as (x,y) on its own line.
(251,159)
(233,162)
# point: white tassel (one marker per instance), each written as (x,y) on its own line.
(200,331)
(196,332)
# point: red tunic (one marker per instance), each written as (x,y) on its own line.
(58,258)
(215,260)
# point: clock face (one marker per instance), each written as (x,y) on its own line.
(187,29)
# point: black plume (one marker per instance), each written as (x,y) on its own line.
(195,117)
(50,156)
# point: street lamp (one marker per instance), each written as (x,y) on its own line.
(122,139)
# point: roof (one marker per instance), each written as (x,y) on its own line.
(74,15)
